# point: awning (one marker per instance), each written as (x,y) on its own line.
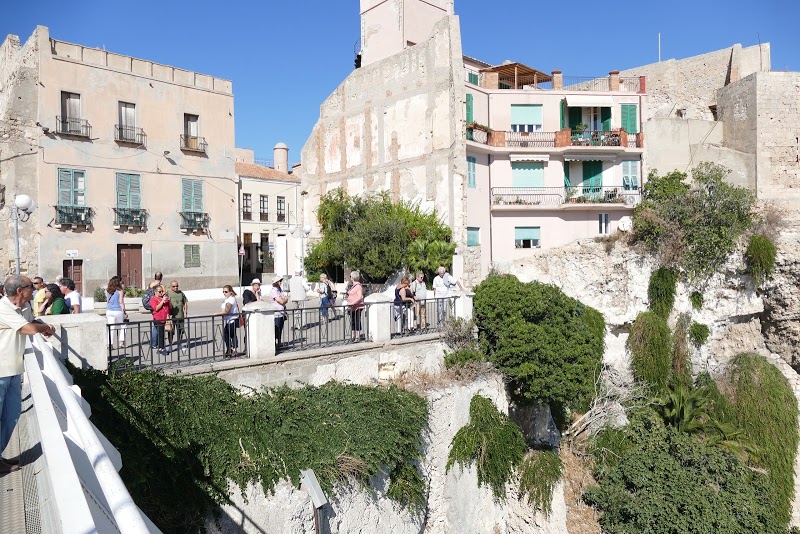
(589,101)
(590,157)
(529,157)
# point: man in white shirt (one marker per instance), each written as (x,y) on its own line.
(16,322)
(443,284)
(298,293)
(72,297)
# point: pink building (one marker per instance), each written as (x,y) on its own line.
(550,158)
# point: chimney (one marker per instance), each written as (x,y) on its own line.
(281,156)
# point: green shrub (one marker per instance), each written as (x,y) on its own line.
(548,344)
(492,441)
(699,333)
(650,344)
(765,409)
(661,291)
(670,481)
(696,298)
(760,258)
(134,292)
(99,294)
(694,229)
(182,439)
(681,363)
(540,472)
(463,356)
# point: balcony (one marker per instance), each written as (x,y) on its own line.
(129,134)
(130,217)
(194,220)
(73,126)
(281,217)
(74,216)
(619,139)
(519,77)
(247,215)
(562,197)
(193,143)
(264,216)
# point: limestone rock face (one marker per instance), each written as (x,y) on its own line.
(782,300)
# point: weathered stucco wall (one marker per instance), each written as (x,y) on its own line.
(396,125)
(691,83)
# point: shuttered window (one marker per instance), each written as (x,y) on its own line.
(575,117)
(191,195)
(473,237)
(129,191)
(71,187)
(567,181)
(473,78)
(526,117)
(527,174)
(470,112)
(628,118)
(592,176)
(605,119)
(191,255)
(630,175)
(471,172)
(527,236)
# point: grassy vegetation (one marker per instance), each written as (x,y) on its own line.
(539,473)
(492,441)
(661,291)
(681,363)
(696,298)
(183,439)
(462,357)
(650,344)
(699,333)
(760,258)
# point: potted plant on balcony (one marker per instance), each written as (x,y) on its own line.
(569,194)
(498,199)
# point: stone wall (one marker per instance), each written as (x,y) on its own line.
(396,125)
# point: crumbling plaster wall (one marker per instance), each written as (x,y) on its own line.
(691,83)
(19,135)
(396,125)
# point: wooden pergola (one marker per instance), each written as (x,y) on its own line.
(520,74)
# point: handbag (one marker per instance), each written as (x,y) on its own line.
(168,326)
(241,319)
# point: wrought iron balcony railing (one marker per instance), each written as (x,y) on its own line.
(194,220)
(193,143)
(73,126)
(129,134)
(576,194)
(130,217)
(74,215)
(264,216)
(247,215)
(281,217)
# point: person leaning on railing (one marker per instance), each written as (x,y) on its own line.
(420,295)
(355,303)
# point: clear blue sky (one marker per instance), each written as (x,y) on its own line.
(285,58)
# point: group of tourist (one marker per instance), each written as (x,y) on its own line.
(410,296)
(56,298)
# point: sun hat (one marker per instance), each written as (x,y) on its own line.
(277,278)
(255,281)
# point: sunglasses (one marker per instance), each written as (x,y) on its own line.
(27,286)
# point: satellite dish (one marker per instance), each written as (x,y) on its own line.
(625,224)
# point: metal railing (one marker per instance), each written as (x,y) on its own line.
(422,317)
(129,134)
(194,340)
(531,139)
(193,220)
(577,194)
(585,83)
(264,162)
(594,138)
(130,217)
(263,216)
(73,126)
(193,143)
(527,82)
(630,83)
(247,215)
(77,446)
(479,136)
(74,215)
(307,328)
(281,217)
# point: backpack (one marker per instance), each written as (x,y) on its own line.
(149,294)
(328,290)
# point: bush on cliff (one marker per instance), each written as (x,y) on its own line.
(760,258)
(548,344)
(650,345)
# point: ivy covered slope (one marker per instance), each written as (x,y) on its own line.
(183,439)
(548,344)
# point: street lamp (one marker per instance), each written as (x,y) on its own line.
(21,210)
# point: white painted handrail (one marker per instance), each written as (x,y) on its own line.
(125,513)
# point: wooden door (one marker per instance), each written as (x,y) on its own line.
(129,264)
(73,269)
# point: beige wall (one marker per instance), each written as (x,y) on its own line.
(162,95)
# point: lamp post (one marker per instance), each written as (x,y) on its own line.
(22,209)
(305,230)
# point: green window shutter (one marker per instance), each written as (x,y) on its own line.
(629,122)
(563,113)
(471,172)
(135,191)
(527,174)
(64,187)
(567,181)
(592,176)
(187,255)
(473,237)
(630,175)
(186,194)
(469,109)
(197,200)
(473,78)
(575,117)
(123,191)
(605,118)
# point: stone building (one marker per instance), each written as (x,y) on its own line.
(130,162)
